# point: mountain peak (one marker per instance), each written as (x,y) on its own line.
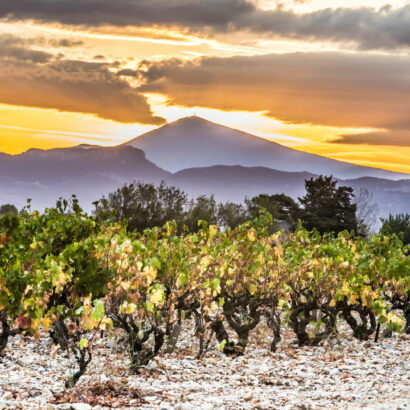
(193,142)
(193,121)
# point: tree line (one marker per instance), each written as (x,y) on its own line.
(325,207)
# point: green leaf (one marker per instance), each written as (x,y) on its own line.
(221,345)
(83,343)
(79,311)
(98,312)
(155,263)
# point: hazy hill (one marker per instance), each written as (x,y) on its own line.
(194,142)
(91,171)
(234,183)
(88,171)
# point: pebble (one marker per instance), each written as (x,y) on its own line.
(342,374)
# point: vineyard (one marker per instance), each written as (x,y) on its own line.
(65,276)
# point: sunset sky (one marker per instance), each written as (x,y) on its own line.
(330,77)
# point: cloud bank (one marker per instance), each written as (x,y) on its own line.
(39,79)
(334,89)
(386,28)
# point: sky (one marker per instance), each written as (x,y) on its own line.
(326,77)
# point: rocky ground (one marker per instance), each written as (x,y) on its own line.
(343,373)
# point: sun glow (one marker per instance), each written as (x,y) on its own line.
(124,47)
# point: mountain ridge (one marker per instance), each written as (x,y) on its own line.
(45,175)
(90,172)
(196,142)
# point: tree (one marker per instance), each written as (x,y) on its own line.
(143,205)
(8,209)
(203,208)
(230,215)
(398,224)
(326,207)
(284,210)
(366,211)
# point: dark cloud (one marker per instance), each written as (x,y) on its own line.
(12,47)
(385,28)
(74,86)
(128,12)
(390,137)
(334,89)
(126,72)
(66,42)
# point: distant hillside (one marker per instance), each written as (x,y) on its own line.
(234,183)
(194,142)
(88,171)
(91,171)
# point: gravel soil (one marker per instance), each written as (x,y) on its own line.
(343,373)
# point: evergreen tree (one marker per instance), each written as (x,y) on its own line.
(326,207)
(398,224)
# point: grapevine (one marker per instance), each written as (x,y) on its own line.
(64,274)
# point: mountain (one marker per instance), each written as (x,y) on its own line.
(235,183)
(90,171)
(194,142)
(86,170)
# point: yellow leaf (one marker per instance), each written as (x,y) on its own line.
(394,319)
(252,235)
(106,323)
(130,308)
(34,325)
(352,300)
(46,323)
(156,296)
(150,273)
(345,289)
(213,229)
(125,285)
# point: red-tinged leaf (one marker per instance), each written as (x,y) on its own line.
(22,322)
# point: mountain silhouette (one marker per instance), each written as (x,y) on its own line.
(235,183)
(195,142)
(88,171)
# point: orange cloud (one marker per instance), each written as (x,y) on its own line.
(37,79)
(332,89)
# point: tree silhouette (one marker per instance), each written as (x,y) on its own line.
(398,224)
(8,209)
(284,210)
(326,207)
